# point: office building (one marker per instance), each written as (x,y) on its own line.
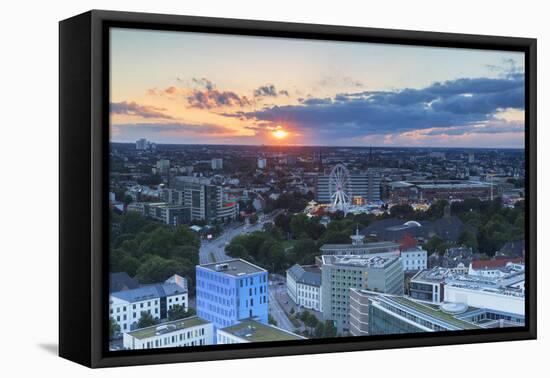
(230,291)
(127,306)
(252,331)
(365,187)
(168,213)
(433,190)
(163,167)
(393,314)
(428,285)
(205,201)
(505,294)
(303,285)
(217,163)
(191,331)
(340,273)
(142,144)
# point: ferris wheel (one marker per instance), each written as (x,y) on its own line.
(340,188)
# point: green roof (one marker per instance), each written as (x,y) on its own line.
(254,332)
(164,328)
(435,313)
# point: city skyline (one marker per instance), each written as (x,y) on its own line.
(213,89)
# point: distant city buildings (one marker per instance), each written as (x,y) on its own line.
(230,291)
(163,167)
(262,163)
(143,144)
(252,331)
(340,273)
(216,163)
(126,307)
(433,190)
(304,286)
(191,331)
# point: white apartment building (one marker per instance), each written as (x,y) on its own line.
(414,259)
(304,286)
(191,331)
(126,307)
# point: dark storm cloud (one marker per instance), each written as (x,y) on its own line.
(213,98)
(458,102)
(269,90)
(135,109)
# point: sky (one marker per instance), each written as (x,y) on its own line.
(198,88)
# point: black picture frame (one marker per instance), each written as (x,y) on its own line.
(83,165)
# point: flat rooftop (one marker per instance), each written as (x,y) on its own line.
(235,267)
(255,332)
(169,327)
(365,246)
(432,312)
(358,261)
(435,275)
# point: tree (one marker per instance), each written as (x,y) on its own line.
(329,329)
(236,250)
(253,219)
(146,320)
(436,244)
(271,320)
(319,329)
(468,239)
(178,312)
(114,328)
(404,211)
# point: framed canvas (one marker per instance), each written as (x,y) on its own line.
(236,189)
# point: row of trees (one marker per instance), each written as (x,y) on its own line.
(315,327)
(151,251)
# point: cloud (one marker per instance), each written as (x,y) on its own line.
(213,98)
(131,128)
(339,81)
(135,109)
(460,102)
(269,90)
(203,82)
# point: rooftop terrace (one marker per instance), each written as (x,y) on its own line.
(254,332)
(162,329)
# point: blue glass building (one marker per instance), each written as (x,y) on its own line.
(231,291)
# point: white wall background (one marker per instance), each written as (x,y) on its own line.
(29,184)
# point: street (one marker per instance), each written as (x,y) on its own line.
(214,250)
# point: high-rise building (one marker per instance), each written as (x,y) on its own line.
(471,158)
(217,163)
(163,166)
(365,187)
(340,273)
(231,291)
(262,163)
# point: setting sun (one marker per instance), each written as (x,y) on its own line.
(280,134)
